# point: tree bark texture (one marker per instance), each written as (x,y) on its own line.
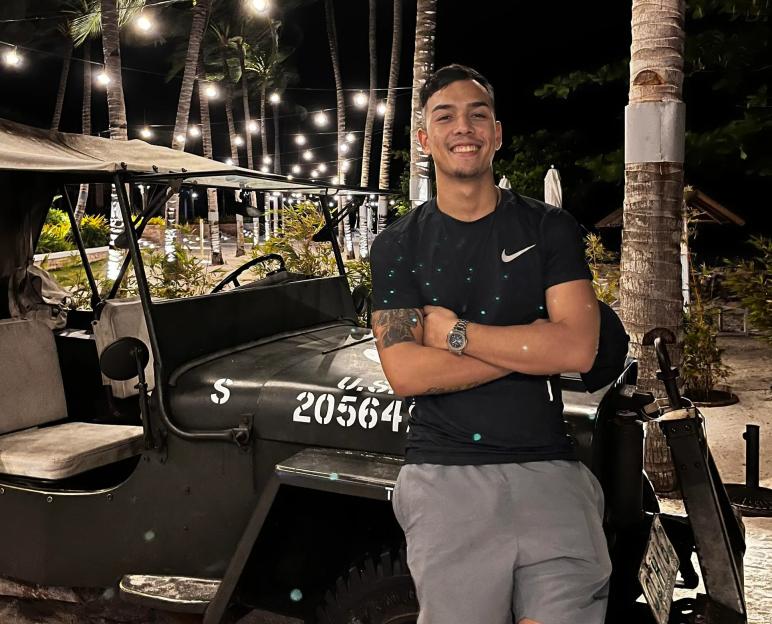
(80,207)
(276,141)
(263,126)
(650,286)
(423,64)
(116,106)
(245,106)
(66,62)
(388,119)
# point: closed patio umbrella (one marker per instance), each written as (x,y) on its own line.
(553,192)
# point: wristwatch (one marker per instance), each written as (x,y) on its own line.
(457,337)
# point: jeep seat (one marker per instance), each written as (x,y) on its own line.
(32,398)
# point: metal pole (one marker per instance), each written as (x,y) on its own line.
(95,299)
(751,436)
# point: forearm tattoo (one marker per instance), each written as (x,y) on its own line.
(396,326)
(454,389)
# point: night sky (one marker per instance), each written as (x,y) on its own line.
(518,45)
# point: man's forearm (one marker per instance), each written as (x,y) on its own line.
(536,349)
(427,370)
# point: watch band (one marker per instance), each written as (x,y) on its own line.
(457,337)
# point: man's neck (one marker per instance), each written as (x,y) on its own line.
(467,200)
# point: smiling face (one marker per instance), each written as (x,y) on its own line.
(460,131)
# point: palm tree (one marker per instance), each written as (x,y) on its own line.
(650,285)
(213,208)
(388,119)
(364,178)
(66,62)
(344,228)
(218,46)
(80,207)
(423,63)
(111,49)
(200,16)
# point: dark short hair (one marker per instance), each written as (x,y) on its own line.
(452,73)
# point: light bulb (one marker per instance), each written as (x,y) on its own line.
(180,138)
(345,166)
(261,6)
(322,167)
(12,58)
(211,91)
(194,131)
(146,133)
(307,155)
(266,160)
(335,180)
(350,137)
(144,24)
(314,174)
(360,99)
(300,139)
(229,161)
(264,169)
(289,177)
(194,195)
(320,119)
(253,127)
(102,78)
(238,141)
(343,148)
(296,169)
(381,108)
(274,98)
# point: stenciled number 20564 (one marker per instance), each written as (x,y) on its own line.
(368,413)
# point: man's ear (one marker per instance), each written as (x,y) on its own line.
(423,139)
(499,136)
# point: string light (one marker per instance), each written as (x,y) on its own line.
(314,174)
(194,195)
(238,141)
(146,133)
(320,119)
(321,167)
(264,169)
(343,148)
(307,155)
(345,166)
(194,131)
(350,137)
(267,160)
(12,58)
(360,99)
(144,24)
(300,139)
(253,127)
(102,78)
(211,91)
(289,177)
(274,98)
(229,161)
(381,108)
(335,180)
(259,6)
(296,169)
(180,138)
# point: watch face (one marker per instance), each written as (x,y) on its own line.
(456,340)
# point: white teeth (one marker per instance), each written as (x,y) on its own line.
(466,148)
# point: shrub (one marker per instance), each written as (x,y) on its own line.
(95,231)
(751,282)
(180,275)
(54,237)
(605,278)
(57,217)
(156,221)
(301,254)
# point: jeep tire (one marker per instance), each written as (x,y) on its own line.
(378,591)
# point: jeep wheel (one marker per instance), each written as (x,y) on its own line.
(379,591)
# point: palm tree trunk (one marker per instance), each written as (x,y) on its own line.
(263,131)
(276,141)
(213,209)
(80,207)
(116,105)
(197,28)
(116,111)
(66,62)
(367,142)
(650,287)
(332,37)
(231,126)
(388,119)
(423,63)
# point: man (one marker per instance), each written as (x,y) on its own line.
(482,298)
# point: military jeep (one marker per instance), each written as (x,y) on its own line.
(238,450)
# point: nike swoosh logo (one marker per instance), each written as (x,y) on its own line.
(509,257)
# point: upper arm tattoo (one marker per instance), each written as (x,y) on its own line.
(395,326)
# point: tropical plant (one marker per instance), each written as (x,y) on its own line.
(701,365)
(179,274)
(54,237)
(423,63)
(301,254)
(605,276)
(751,282)
(94,230)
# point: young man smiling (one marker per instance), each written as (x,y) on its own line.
(482,298)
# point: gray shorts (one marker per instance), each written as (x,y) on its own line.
(486,544)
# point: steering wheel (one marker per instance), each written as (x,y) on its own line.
(234,275)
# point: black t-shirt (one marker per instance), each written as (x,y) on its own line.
(493,271)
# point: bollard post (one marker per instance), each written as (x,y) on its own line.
(751,437)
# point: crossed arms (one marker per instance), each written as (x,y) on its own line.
(411,344)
